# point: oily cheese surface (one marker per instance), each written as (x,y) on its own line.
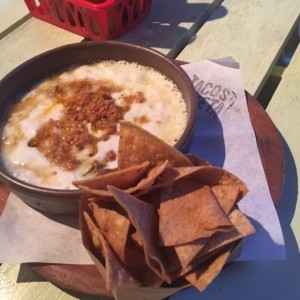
(66,128)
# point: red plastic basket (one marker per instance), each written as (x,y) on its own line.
(93,19)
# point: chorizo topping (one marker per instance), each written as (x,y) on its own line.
(86,106)
(66,128)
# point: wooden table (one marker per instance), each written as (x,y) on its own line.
(261,36)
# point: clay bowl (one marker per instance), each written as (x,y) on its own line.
(40,67)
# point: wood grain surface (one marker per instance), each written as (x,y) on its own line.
(284,110)
(12,14)
(251,33)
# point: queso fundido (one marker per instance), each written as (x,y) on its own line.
(66,128)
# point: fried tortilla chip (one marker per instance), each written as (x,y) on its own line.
(145,220)
(187,252)
(162,216)
(130,262)
(122,179)
(196,160)
(142,187)
(171,174)
(242,228)
(227,195)
(189,211)
(137,239)
(145,185)
(206,272)
(137,145)
(221,181)
(116,228)
(241,222)
(138,267)
(214,176)
(113,226)
(193,252)
(116,273)
(94,232)
(227,188)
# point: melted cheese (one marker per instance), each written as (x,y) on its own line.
(164,111)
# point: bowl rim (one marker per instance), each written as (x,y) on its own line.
(14,182)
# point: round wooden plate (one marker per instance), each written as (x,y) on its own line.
(86,278)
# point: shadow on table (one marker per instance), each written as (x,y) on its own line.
(262,279)
(163,27)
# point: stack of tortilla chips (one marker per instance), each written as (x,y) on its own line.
(161,216)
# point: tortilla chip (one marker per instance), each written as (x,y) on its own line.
(241,222)
(172,174)
(242,228)
(138,267)
(95,192)
(161,216)
(142,187)
(187,252)
(145,185)
(205,273)
(191,254)
(196,160)
(137,145)
(130,264)
(113,226)
(227,195)
(137,239)
(144,218)
(120,178)
(94,232)
(213,176)
(116,273)
(189,211)
(227,188)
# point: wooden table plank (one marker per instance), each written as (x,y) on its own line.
(284,110)
(162,29)
(31,38)
(168,23)
(253,32)
(12,13)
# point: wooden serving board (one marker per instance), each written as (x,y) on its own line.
(86,278)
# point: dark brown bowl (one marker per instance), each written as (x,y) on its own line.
(39,68)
